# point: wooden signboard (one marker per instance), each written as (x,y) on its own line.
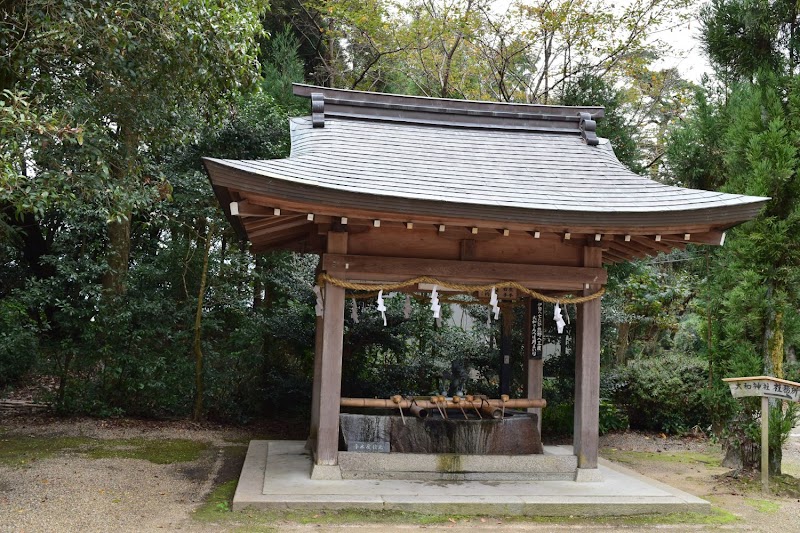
(780,389)
(766,387)
(537,329)
(503,293)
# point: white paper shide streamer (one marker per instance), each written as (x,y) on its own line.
(493,303)
(382,306)
(435,307)
(407,307)
(354,311)
(558,318)
(318,308)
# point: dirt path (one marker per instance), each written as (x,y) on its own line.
(89,475)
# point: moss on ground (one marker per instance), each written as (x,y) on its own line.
(217,510)
(218,502)
(633,457)
(20,451)
(782,485)
(160,452)
(763,506)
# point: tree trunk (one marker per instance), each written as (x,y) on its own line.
(776,351)
(197,413)
(623,339)
(61,393)
(769,320)
(119,241)
(119,232)
(259,291)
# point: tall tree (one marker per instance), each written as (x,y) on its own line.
(743,139)
(138,76)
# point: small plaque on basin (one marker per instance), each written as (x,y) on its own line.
(369,447)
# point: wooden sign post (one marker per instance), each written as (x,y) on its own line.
(766,387)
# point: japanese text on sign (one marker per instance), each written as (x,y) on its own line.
(537,329)
(764,386)
(371,447)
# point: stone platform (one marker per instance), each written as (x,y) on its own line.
(277,475)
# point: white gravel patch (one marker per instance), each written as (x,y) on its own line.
(78,494)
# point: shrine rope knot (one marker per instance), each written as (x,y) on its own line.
(324,278)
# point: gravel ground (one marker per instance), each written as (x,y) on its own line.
(70,492)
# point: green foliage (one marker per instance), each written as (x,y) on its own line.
(558,420)
(19,342)
(612,417)
(743,37)
(664,393)
(411,356)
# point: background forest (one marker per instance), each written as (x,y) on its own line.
(123,290)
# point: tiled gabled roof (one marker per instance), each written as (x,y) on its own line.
(524,165)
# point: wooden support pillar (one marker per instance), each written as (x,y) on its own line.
(534,367)
(587,372)
(506,329)
(329,371)
(312,437)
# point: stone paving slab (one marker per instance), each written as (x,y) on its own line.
(277,475)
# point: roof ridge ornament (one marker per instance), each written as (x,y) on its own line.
(423,110)
(588,127)
(318,110)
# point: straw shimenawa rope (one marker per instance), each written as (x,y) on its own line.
(324,278)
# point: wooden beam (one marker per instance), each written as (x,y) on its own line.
(650,242)
(614,256)
(254,225)
(290,238)
(422,219)
(714,238)
(544,276)
(274,234)
(248,209)
(630,248)
(468,250)
(587,372)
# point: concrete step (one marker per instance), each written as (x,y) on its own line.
(276,475)
(457,467)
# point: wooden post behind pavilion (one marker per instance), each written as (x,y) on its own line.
(587,374)
(534,363)
(506,331)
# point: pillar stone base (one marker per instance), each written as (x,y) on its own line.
(587,475)
(326,472)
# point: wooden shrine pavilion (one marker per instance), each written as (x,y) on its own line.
(387,188)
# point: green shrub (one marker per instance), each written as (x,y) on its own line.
(612,418)
(663,393)
(18,342)
(558,420)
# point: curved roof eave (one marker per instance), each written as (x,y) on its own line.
(233,175)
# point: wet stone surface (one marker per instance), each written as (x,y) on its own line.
(515,435)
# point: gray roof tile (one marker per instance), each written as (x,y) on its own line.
(462,165)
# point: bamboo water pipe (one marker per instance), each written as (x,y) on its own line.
(444,403)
